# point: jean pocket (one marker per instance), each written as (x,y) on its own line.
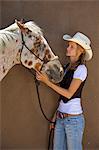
(72,121)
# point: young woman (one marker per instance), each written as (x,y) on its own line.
(69,116)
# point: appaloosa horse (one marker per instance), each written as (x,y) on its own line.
(24,44)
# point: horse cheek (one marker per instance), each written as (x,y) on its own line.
(37,66)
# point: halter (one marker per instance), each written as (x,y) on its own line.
(42,60)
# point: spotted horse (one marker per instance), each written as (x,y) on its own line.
(24,43)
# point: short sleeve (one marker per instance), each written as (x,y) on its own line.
(80,72)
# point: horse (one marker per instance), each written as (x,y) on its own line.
(24,43)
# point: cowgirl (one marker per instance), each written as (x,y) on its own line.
(69,116)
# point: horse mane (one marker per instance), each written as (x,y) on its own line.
(9,34)
(34,28)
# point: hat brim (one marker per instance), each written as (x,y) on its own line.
(87,48)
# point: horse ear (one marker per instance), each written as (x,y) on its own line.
(22,20)
(21,26)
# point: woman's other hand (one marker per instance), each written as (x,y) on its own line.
(52,126)
(53,121)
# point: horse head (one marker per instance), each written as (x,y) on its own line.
(36,53)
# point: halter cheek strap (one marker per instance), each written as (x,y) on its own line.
(42,60)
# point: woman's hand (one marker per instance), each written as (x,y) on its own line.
(52,126)
(53,121)
(42,77)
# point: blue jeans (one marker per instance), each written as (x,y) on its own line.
(68,133)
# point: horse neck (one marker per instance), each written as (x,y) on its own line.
(9,51)
(10,44)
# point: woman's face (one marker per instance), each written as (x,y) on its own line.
(73,50)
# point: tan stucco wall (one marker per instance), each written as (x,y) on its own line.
(23,126)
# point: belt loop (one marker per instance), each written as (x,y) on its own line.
(61,115)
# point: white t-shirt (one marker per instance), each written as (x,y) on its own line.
(73,106)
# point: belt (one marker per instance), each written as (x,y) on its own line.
(64,115)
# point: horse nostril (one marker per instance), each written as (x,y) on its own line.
(61,73)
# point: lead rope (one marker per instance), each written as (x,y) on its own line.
(37,83)
(38,95)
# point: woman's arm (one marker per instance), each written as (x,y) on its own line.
(68,93)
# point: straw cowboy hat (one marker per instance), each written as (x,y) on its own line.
(83,41)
